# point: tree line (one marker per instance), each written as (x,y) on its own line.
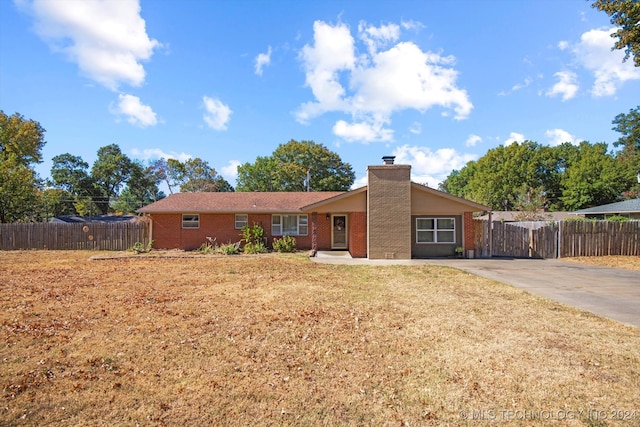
(116,183)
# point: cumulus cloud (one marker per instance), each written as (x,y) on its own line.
(262,60)
(106,39)
(431,167)
(566,85)
(514,137)
(135,111)
(157,153)
(217,114)
(230,172)
(560,136)
(473,140)
(391,76)
(594,53)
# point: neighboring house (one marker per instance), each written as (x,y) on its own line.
(391,217)
(518,216)
(628,208)
(77,219)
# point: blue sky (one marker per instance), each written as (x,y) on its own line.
(435,83)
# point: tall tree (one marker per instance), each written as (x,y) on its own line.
(141,189)
(109,172)
(593,179)
(21,143)
(195,175)
(624,14)
(71,174)
(18,189)
(21,137)
(629,155)
(288,168)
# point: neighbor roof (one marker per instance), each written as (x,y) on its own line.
(628,206)
(230,202)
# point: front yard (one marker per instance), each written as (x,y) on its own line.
(278,340)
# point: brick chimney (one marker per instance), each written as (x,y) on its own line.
(389,210)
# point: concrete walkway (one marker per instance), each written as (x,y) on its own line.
(608,292)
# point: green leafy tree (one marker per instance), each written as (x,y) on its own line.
(21,138)
(629,155)
(624,14)
(18,190)
(290,164)
(593,179)
(21,143)
(141,189)
(197,176)
(71,174)
(55,202)
(110,171)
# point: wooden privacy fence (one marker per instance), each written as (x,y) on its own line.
(557,240)
(94,236)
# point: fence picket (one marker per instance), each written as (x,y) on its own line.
(550,240)
(53,236)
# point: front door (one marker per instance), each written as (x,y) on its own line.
(339,232)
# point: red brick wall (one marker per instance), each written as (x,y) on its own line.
(169,234)
(469,231)
(358,234)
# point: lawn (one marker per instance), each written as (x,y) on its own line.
(279,340)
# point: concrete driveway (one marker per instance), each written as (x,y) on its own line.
(608,292)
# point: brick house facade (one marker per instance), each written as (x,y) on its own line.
(391,217)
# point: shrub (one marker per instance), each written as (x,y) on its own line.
(228,248)
(254,248)
(140,247)
(253,238)
(618,218)
(285,244)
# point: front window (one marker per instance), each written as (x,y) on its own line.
(190,221)
(435,230)
(241,220)
(289,225)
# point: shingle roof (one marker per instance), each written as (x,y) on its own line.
(230,202)
(628,206)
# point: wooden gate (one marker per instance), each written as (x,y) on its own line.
(518,240)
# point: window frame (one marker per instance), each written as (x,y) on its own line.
(435,230)
(246,221)
(186,221)
(302,225)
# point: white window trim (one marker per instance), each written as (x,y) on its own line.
(435,231)
(276,229)
(246,221)
(196,221)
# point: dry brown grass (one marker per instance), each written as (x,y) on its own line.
(278,340)
(624,262)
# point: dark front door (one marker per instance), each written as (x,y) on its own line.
(339,232)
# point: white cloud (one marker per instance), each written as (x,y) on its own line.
(106,39)
(560,136)
(594,53)
(363,131)
(262,60)
(431,167)
(217,115)
(514,137)
(370,87)
(473,140)
(416,128)
(230,172)
(157,153)
(566,85)
(378,37)
(136,112)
